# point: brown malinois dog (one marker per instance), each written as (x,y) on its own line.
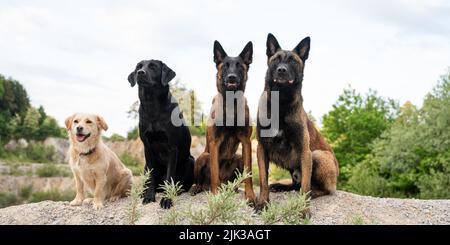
(291,140)
(228,125)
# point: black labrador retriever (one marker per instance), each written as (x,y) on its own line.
(166,138)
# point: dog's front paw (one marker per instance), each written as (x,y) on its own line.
(98,205)
(166,203)
(76,202)
(149,198)
(88,201)
(195,189)
(260,205)
(251,203)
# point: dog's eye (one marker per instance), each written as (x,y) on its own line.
(76,121)
(139,66)
(88,121)
(151,66)
(238,64)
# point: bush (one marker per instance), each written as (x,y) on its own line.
(225,207)
(8,199)
(135,197)
(132,163)
(52,170)
(38,152)
(366,180)
(53,195)
(25,192)
(133,133)
(198,130)
(293,211)
(277,173)
(116,137)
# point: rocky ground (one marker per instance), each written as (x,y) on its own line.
(342,208)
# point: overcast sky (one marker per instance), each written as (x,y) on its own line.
(76,56)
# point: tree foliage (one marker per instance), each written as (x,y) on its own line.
(353,123)
(18,119)
(412,158)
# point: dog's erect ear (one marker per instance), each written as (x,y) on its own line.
(131,78)
(302,48)
(219,53)
(166,74)
(247,53)
(272,45)
(68,122)
(101,122)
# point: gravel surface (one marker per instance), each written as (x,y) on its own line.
(342,208)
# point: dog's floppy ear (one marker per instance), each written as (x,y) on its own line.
(272,45)
(101,122)
(68,122)
(247,53)
(131,78)
(167,74)
(219,53)
(302,48)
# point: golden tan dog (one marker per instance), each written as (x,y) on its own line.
(95,167)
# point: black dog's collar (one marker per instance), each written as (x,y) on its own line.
(88,153)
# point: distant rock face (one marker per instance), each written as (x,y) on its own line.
(61,147)
(13,144)
(133,147)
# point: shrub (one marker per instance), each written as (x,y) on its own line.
(225,207)
(116,137)
(132,163)
(52,170)
(278,173)
(8,199)
(133,133)
(38,152)
(135,197)
(53,195)
(293,211)
(25,192)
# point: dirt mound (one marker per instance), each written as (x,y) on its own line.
(342,208)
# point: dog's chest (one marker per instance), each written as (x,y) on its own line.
(285,147)
(87,170)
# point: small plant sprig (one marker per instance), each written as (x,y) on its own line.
(222,208)
(293,211)
(135,197)
(171,190)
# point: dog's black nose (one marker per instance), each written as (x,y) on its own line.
(79,129)
(232,77)
(281,69)
(141,72)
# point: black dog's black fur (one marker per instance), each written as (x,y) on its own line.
(167,146)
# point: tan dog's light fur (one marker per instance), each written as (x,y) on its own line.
(95,167)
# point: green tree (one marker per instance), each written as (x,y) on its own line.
(353,123)
(30,125)
(13,101)
(412,158)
